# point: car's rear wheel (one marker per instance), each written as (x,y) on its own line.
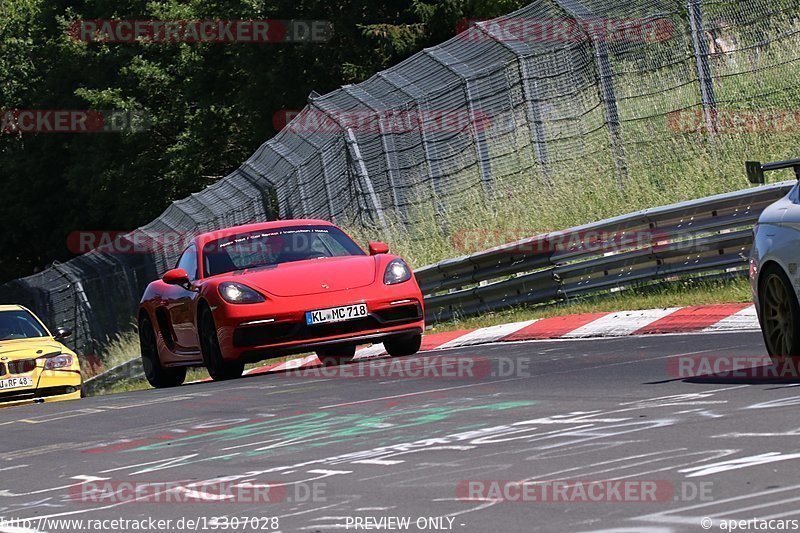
(218,368)
(403,346)
(157,375)
(337,355)
(780,315)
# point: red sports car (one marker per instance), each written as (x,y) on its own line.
(266,290)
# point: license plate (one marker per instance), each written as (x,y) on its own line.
(336,314)
(13,383)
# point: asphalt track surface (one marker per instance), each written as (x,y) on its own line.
(335,448)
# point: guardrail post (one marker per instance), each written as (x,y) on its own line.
(700,45)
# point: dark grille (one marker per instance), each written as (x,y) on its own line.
(26,394)
(21,367)
(260,335)
(17,394)
(2,369)
(401,312)
(274,333)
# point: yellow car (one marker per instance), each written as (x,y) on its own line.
(34,366)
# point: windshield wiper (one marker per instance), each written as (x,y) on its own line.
(243,270)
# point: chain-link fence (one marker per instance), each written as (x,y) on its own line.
(560,90)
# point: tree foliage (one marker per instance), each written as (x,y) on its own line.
(211,104)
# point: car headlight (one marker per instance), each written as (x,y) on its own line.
(59,361)
(236,293)
(396,272)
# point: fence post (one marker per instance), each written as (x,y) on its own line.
(700,45)
(361,170)
(466,74)
(324,161)
(84,317)
(607,91)
(287,155)
(387,142)
(533,103)
(249,173)
(401,84)
(612,113)
(534,109)
(360,167)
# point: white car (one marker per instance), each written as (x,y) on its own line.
(774,272)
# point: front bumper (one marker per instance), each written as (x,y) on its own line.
(255,333)
(50,386)
(41,396)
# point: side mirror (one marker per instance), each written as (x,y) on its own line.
(755,173)
(755,170)
(176,276)
(62,333)
(376,248)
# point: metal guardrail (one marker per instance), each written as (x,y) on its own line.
(128,370)
(706,236)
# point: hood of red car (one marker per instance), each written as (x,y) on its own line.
(314,276)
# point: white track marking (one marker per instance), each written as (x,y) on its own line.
(486,335)
(620,324)
(373,351)
(746,319)
(736,464)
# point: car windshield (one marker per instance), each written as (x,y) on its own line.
(19,324)
(267,248)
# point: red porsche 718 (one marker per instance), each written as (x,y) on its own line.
(266,290)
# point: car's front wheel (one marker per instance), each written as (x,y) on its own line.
(157,375)
(402,346)
(780,315)
(218,368)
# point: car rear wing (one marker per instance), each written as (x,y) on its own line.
(755,170)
